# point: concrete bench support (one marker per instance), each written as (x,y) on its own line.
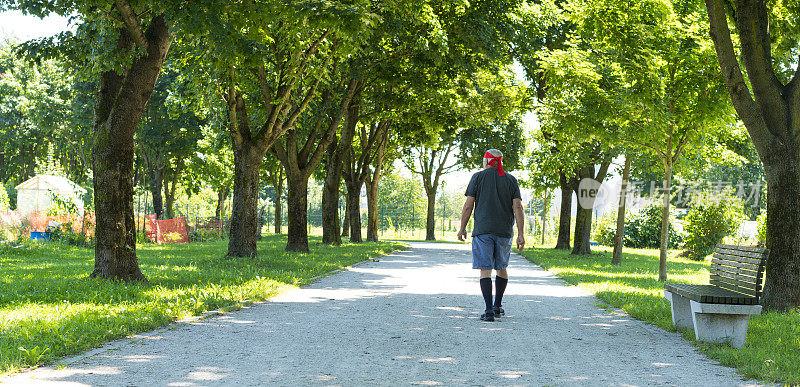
(712,322)
(681,310)
(722,322)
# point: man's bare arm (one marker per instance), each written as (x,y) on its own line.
(466,212)
(520,218)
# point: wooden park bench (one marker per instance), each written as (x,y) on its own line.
(721,310)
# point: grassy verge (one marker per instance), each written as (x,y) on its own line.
(49,308)
(772,351)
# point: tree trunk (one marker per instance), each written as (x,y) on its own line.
(3,177)
(583,231)
(115,230)
(662,260)
(336,152)
(222,195)
(373,185)
(156,182)
(170,183)
(545,210)
(783,232)
(346,219)
(354,207)
(619,236)
(297,206)
(430,220)
(119,105)
(583,218)
(244,216)
(278,206)
(768,109)
(301,161)
(330,208)
(372,210)
(565,218)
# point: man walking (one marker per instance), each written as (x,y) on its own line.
(496,199)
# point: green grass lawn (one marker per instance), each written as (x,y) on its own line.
(772,351)
(50,308)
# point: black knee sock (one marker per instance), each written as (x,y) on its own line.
(500,285)
(486,289)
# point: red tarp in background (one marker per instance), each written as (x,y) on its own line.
(167,231)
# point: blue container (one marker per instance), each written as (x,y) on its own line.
(40,235)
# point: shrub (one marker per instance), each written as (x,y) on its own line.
(205,235)
(643,230)
(64,233)
(712,216)
(61,205)
(606,228)
(762,229)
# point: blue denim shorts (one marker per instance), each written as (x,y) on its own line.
(490,252)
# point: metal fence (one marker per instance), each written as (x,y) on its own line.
(395,220)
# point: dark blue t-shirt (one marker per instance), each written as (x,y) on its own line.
(494,202)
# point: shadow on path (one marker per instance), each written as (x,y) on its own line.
(411,318)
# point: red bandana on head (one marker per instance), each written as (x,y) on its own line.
(495,160)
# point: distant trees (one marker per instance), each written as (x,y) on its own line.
(637,75)
(42,107)
(167,138)
(276,77)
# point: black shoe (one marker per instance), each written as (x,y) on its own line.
(488,316)
(498,311)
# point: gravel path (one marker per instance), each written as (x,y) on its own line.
(409,319)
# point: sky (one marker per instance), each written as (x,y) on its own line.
(16,26)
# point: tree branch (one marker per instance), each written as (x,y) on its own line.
(330,134)
(743,101)
(310,141)
(132,23)
(266,89)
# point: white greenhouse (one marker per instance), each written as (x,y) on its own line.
(36,193)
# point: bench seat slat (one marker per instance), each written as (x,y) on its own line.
(710,294)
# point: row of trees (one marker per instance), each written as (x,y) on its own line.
(343,88)
(336,89)
(653,81)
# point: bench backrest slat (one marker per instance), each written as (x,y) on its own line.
(739,269)
(752,262)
